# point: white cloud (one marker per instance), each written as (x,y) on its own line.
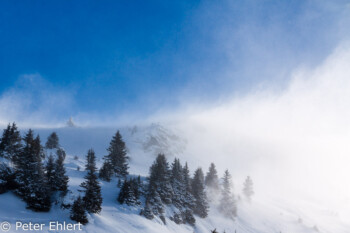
(33,101)
(290,140)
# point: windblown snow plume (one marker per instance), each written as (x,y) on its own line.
(290,140)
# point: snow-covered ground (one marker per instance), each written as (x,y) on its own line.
(265,214)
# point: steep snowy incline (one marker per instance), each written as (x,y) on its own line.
(265,214)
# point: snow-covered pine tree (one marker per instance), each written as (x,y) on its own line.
(56,173)
(52,141)
(124,192)
(10,147)
(78,211)
(50,173)
(135,188)
(188,217)
(11,142)
(61,180)
(6,174)
(119,183)
(179,188)
(212,179)
(155,202)
(159,180)
(188,183)
(248,190)
(159,190)
(198,190)
(140,185)
(38,148)
(177,184)
(117,155)
(106,171)
(227,202)
(189,201)
(23,166)
(92,189)
(4,142)
(129,193)
(147,211)
(32,182)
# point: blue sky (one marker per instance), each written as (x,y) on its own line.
(116,57)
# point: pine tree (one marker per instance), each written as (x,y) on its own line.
(78,211)
(61,177)
(147,211)
(51,173)
(5,141)
(10,148)
(177,183)
(106,171)
(38,148)
(140,186)
(23,166)
(129,193)
(92,189)
(155,202)
(159,190)
(11,142)
(90,161)
(124,192)
(187,179)
(188,217)
(177,217)
(201,206)
(159,180)
(179,188)
(56,173)
(30,177)
(211,179)
(248,188)
(117,156)
(227,202)
(119,184)
(135,189)
(5,176)
(189,201)
(52,141)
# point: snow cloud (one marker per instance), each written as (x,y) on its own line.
(290,130)
(290,140)
(33,101)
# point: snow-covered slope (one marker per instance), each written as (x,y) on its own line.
(143,143)
(265,214)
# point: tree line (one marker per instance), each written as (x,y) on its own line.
(41,179)
(24,172)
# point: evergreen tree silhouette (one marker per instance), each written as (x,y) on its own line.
(227,203)
(30,176)
(198,190)
(78,211)
(92,189)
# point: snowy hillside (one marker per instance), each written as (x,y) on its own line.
(143,143)
(265,214)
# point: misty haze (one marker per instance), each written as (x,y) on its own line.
(198,116)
